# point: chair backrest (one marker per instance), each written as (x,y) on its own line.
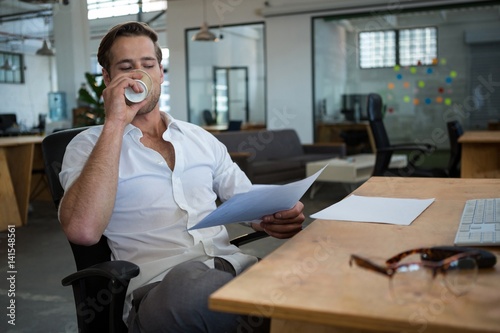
(208,117)
(375,118)
(234,125)
(53,149)
(455,130)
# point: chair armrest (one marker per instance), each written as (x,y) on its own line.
(407,148)
(247,238)
(99,293)
(426,147)
(416,151)
(119,270)
(337,148)
(241,158)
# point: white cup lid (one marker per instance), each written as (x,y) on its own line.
(134,97)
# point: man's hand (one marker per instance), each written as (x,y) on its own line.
(117,110)
(284,224)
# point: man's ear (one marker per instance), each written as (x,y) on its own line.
(162,78)
(106,77)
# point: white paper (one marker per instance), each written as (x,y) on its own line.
(259,201)
(375,209)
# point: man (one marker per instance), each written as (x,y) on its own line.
(142,179)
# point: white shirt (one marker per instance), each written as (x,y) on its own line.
(155,206)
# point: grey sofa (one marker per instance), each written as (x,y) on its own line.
(275,156)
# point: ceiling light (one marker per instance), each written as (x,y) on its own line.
(6,66)
(45,50)
(204,35)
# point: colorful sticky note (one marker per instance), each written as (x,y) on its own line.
(428,101)
(447,101)
(416,101)
(406,99)
(421,84)
(413,70)
(441,90)
(390,86)
(435,61)
(397,68)
(449,80)
(406,84)
(453,74)
(430,70)
(399,76)
(439,99)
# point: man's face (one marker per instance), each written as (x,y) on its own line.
(138,52)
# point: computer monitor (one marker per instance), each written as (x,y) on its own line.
(7,120)
(354,107)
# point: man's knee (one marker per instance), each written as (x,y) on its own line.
(181,299)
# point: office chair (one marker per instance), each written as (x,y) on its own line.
(455,130)
(385,150)
(208,118)
(99,285)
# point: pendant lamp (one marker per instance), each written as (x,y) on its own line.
(6,66)
(45,50)
(204,35)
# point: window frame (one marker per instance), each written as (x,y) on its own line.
(397,47)
(17,74)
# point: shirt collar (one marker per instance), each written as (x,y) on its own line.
(167,119)
(170,121)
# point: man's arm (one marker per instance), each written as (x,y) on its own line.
(87,205)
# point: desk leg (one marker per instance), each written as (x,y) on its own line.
(480,160)
(20,161)
(9,210)
(314,189)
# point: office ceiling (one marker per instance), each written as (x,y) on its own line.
(23,23)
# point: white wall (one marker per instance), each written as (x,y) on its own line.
(30,99)
(289,75)
(188,14)
(288,56)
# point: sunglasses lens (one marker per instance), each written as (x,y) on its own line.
(410,282)
(461,275)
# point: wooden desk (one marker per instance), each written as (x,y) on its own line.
(16,163)
(244,127)
(480,154)
(330,132)
(307,285)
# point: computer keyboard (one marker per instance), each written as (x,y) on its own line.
(480,223)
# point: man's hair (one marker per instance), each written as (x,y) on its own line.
(125,29)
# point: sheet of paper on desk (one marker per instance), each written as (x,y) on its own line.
(375,209)
(259,201)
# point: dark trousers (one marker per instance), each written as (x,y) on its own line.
(179,303)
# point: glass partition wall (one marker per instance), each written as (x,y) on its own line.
(227,77)
(430,66)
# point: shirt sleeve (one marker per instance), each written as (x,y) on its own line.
(229,179)
(75,157)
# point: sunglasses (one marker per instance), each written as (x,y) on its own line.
(411,276)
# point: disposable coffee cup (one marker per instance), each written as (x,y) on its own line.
(146,84)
